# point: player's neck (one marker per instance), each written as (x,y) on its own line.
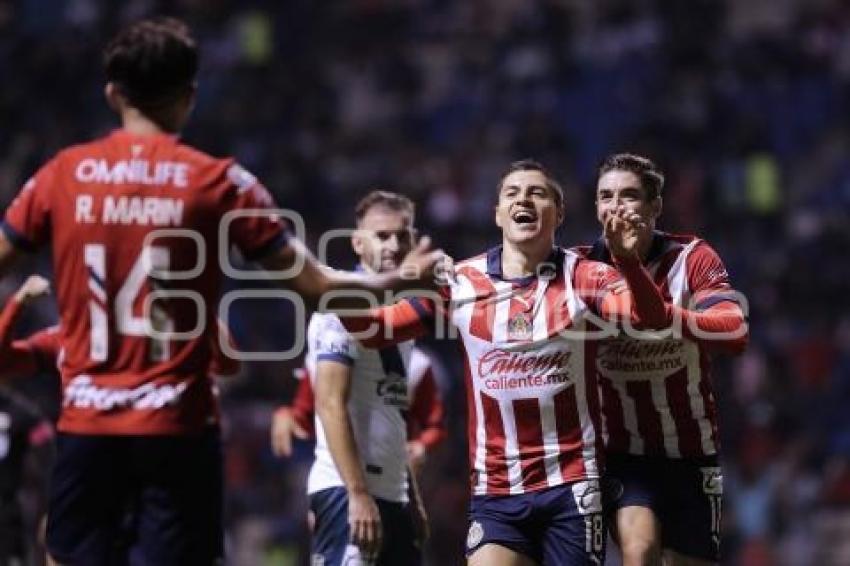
(520,261)
(136,123)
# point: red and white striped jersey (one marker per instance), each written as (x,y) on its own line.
(533,407)
(131,218)
(656,394)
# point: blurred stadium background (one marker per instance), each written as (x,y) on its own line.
(745,103)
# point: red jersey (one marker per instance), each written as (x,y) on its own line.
(127,215)
(657,396)
(533,408)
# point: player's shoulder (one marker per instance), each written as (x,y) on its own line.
(477,262)
(697,246)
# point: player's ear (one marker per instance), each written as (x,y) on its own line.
(113,96)
(357,242)
(657,205)
(496,215)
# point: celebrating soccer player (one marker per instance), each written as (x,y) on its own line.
(523,311)
(657,398)
(135,221)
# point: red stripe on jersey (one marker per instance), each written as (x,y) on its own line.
(484,311)
(708,397)
(472,415)
(568,425)
(618,436)
(529,431)
(687,428)
(557,313)
(495,461)
(648,419)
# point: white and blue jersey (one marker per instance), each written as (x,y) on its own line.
(377,405)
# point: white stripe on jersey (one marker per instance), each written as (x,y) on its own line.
(668,425)
(679,293)
(463,316)
(551,446)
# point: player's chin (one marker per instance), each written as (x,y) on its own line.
(525,233)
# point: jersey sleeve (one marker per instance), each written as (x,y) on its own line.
(405,320)
(595,281)
(328,340)
(708,278)
(255,229)
(630,294)
(27,220)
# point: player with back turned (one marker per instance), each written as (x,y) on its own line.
(125,215)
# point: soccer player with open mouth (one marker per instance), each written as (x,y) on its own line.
(657,397)
(529,315)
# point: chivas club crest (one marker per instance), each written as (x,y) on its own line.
(519,327)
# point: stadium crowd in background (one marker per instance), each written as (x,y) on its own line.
(744,105)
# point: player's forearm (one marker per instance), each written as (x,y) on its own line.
(386,326)
(647,304)
(326,289)
(342,445)
(720,328)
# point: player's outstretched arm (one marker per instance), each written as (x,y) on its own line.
(333,386)
(19,357)
(314,279)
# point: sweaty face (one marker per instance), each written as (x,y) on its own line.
(622,188)
(383,238)
(527,210)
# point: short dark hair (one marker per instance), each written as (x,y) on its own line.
(650,176)
(390,200)
(152,62)
(532,165)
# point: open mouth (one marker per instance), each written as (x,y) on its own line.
(524,216)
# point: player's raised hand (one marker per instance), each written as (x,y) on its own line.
(284,428)
(622,233)
(421,266)
(364,523)
(35,286)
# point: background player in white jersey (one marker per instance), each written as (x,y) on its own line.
(660,418)
(523,311)
(359,485)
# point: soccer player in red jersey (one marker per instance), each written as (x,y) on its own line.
(658,405)
(426,426)
(137,222)
(523,311)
